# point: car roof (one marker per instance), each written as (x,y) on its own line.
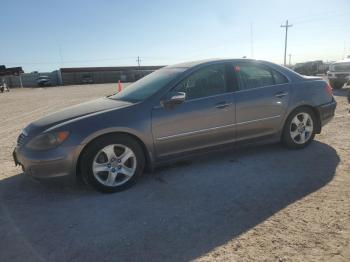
(210,61)
(192,63)
(292,75)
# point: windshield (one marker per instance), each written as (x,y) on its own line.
(148,85)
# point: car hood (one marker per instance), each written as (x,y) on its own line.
(80,110)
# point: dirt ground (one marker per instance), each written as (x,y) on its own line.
(262,203)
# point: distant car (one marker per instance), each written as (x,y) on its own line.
(311,68)
(174,112)
(339,73)
(44,81)
(87,79)
(4,87)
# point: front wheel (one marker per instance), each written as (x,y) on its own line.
(112,163)
(299,130)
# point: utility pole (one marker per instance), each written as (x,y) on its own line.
(60,54)
(20,80)
(251,41)
(285,43)
(290,59)
(138,60)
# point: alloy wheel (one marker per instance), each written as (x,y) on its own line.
(114,165)
(301,128)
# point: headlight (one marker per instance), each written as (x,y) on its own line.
(48,140)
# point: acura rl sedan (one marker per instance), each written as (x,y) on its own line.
(176,111)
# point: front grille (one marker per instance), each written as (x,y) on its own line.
(21,139)
(342,75)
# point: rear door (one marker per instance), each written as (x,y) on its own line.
(261,101)
(206,118)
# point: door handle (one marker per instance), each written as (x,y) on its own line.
(281,94)
(222,105)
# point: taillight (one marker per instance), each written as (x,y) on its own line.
(329,89)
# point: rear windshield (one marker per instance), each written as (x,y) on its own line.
(148,85)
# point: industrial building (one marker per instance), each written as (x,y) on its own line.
(99,75)
(7,73)
(81,75)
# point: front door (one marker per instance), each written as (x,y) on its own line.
(206,118)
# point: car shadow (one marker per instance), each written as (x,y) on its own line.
(178,213)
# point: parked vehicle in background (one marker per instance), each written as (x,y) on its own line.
(174,112)
(339,73)
(311,68)
(87,79)
(4,87)
(43,81)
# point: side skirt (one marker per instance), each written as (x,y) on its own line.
(270,139)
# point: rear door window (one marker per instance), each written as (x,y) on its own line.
(251,75)
(279,78)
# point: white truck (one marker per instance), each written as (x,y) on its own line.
(339,73)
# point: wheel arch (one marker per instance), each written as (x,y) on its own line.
(147,154)
(318,125)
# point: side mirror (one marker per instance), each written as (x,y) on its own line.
(173,99)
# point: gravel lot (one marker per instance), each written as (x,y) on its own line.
(262,203)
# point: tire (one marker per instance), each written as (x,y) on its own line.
(297,137)
(337,84)
(103,167)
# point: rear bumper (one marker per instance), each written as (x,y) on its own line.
(326,112)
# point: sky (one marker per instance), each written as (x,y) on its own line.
(44,35)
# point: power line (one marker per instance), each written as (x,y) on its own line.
(318,17)
(285,41)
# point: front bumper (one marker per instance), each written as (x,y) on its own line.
(341,77)
(327,111)
(56,162)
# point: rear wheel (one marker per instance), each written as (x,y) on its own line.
(299,130)
(112,163)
